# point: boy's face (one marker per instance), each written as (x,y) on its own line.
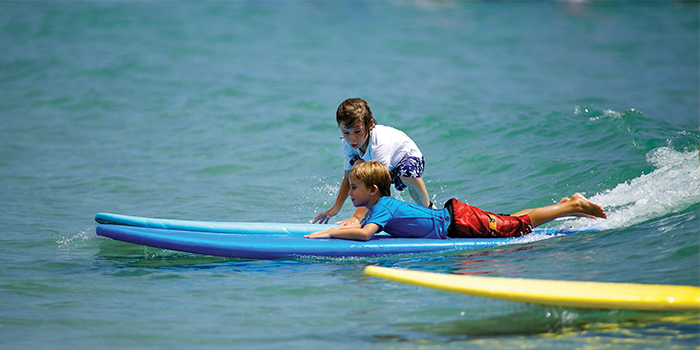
(354,135)
(360,195)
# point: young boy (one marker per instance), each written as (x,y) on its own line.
(363,140)
(370,187)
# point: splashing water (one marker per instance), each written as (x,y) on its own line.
(673,187)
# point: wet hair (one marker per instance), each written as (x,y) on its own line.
(373,173)
(355,112)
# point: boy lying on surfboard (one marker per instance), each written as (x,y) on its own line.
(370,187)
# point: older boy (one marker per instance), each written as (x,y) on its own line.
(363,140)
(370,187)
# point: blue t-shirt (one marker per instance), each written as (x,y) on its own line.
(407,220)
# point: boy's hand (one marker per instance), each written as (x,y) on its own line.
(356,233)
(322,234)
(322,218)
(351,222)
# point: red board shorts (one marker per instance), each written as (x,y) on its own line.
(471,222)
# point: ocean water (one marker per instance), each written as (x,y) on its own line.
(225,111)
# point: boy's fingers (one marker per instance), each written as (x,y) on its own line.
(321,219)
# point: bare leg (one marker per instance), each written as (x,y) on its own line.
(527,211)
(577,205)
(416,187)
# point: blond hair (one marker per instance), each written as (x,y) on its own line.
(373,173)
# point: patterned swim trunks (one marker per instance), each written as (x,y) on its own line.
(408,167)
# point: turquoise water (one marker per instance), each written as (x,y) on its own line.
(225,111)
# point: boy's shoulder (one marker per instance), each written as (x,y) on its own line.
(384,128)
(391,204)
(389,133)
(389,201)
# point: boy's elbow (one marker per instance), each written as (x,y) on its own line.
(361,236)
(368,231)
(367,237)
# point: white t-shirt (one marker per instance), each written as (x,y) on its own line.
(386,145)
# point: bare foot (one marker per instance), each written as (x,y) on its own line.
(587,208)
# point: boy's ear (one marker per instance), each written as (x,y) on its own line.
(374,190)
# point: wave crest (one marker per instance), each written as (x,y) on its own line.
(673,187)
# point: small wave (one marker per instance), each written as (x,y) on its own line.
(70,239)
(674,186)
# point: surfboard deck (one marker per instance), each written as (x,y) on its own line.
(267,244)
(577,294)
(210,226)
(244,227)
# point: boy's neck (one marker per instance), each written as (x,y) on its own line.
(363,148)
(373,201)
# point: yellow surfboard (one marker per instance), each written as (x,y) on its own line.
(589,295)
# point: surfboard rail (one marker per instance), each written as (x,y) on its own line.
(577,294)
(210,226)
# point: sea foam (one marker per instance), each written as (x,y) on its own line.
(674,186)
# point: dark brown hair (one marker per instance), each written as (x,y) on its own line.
(355,112)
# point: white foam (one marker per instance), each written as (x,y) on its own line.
(672,187)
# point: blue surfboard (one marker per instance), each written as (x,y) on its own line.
(209,226)
(277,240)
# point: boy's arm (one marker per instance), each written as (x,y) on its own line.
(355,219)
(348,232)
